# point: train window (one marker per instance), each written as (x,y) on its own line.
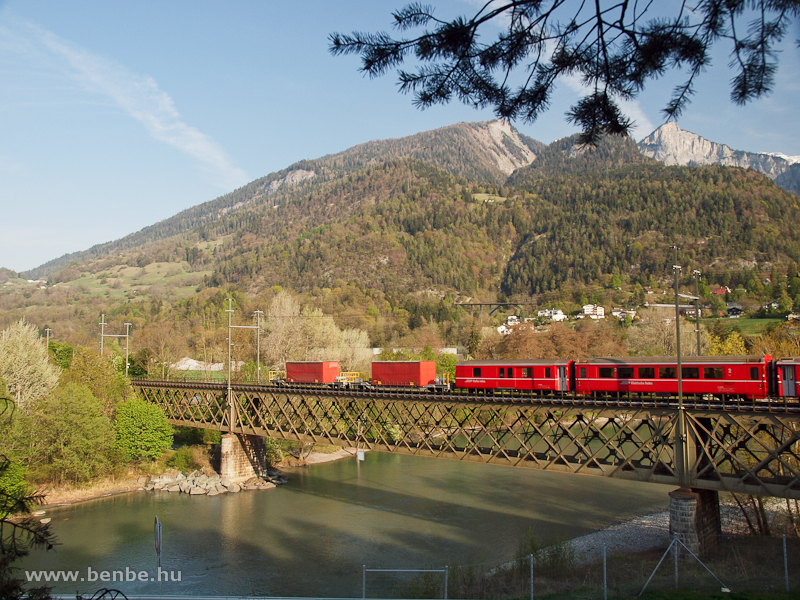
(510,372)
(547,372)
(583,372)
(754,373)
(690,372)
(647,372)
(502,373)
(625,372)
(476,371)
(527,371)
(606,372)
(712,372)
(667,372)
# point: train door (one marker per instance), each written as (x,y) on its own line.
(562,379)
(506,378)
(789,382)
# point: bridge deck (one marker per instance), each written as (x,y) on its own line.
(742,446)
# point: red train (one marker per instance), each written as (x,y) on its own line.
(752,377)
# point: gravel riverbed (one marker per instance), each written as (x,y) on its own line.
(643,533)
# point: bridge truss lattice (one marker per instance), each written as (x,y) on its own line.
(753,450)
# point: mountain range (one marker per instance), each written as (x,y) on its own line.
(529,217)
(672,145)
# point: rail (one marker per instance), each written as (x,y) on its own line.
(783,405)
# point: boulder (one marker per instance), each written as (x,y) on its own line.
(213,493)
(225,481)
(174,488)
(234,488)
(149,487)
(142,479)
(158,486)
(196,491)
(180,477)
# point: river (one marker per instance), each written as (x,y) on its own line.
(311,536)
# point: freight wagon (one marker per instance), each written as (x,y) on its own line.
(322,372)
(413,373)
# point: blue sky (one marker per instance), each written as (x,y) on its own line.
(114,116)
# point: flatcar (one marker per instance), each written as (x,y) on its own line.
(544,375)
(724,376)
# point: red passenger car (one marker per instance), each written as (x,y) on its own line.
(547,375)
(738,376)
(320,372)
(414,373)
(786,371)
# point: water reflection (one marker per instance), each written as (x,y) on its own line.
(311,536)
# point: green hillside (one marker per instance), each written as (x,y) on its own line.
(387,243)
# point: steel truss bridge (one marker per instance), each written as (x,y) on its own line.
(750,447)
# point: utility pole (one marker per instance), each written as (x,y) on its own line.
(48,331)
(680,433)
(102,332)
(126,335)
(696,277)
(231,326)
(258,314)
(230,342)
(127,339)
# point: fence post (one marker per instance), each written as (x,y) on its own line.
(446,573)
(531,576)
(605,584)
(676,562)
(785,563)
(364,581)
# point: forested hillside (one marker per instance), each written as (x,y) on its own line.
(387,242)
(484,152)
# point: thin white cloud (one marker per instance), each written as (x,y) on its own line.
(632,109)
(140,96)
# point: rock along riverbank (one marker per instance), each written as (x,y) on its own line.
(197,483)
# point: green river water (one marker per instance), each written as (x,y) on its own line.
(311,536)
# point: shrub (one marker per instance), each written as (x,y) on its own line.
(142,430)
(274,453)
(74,439)
(183,459)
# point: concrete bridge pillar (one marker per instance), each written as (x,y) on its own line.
(242,456)
(694,518)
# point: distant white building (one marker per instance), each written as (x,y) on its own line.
(593,311)
(512,320)
(554,314)
(622,313)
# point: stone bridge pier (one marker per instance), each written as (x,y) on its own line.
(243,456)
(694,518)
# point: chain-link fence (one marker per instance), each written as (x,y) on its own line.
(738,564)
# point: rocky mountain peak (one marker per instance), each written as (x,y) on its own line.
(505,146)
(675,146)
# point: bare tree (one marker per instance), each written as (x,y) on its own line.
(25,364)
(162,340)
(655,336)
